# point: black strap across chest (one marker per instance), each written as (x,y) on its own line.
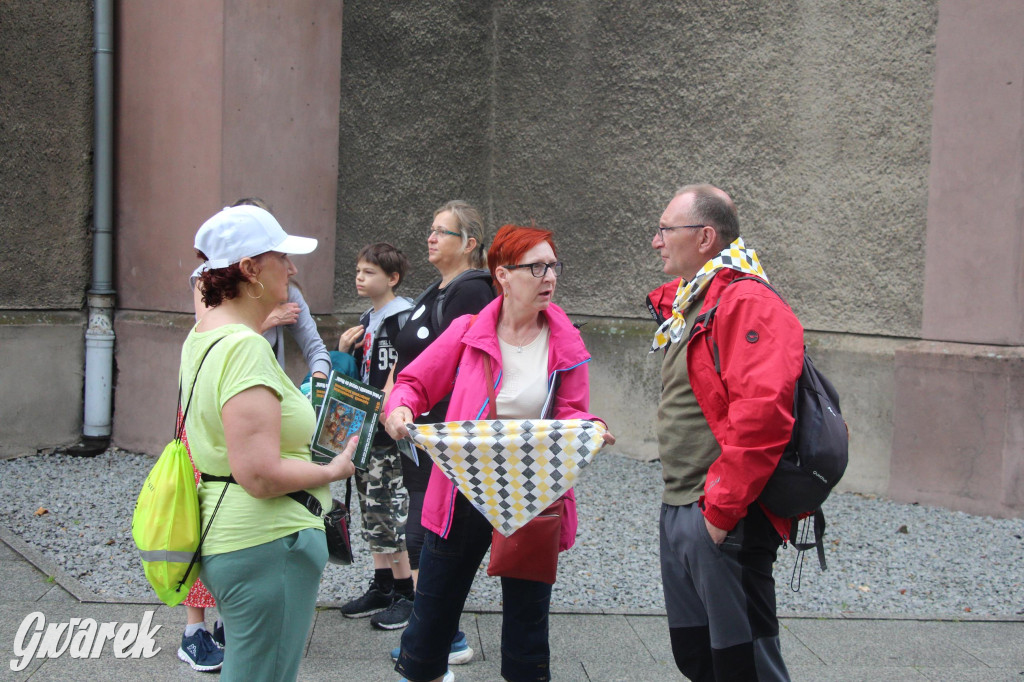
(301,496)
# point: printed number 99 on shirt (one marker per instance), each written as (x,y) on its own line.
(386,356)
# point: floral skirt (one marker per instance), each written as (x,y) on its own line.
(198,596)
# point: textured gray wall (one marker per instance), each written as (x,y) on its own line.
(45,153)
(415,117)
(45,199)
(586,115)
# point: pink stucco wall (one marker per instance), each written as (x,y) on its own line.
(975,245)
(216,100)
(958,438)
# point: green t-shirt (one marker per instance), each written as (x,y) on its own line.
(242,360)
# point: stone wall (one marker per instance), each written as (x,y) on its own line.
(45,246)
(852,135)
(585,117)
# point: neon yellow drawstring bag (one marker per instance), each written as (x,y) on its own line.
(166,521)
(165,525)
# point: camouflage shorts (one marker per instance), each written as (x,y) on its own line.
(383,501)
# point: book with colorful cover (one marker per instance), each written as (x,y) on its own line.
(348,408)
(318,389)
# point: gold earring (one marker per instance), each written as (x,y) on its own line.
(262,290)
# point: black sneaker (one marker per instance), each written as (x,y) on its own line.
(218,634)
(394,617)
(374,601)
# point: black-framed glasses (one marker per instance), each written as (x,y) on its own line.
(661,230)
(440,232)
(539,269)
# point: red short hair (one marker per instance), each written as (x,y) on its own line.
(512,242)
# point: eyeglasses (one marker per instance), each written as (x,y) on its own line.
(661,230)
(440,232)
(539,269)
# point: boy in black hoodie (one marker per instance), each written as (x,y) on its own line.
(383,499)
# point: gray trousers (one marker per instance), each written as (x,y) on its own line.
(720,599)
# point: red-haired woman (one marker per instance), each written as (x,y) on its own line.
(533,349)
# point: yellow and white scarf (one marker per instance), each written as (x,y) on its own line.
(511,469)
(735,257)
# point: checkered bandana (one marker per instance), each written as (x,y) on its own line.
(511,469)
(735,257)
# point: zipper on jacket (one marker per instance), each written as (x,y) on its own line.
(552,385)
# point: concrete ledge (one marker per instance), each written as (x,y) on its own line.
(625,381)
(959,438)
(34,557)
(953,410)
(148,354)
(625,384)
(861,368)
(41,376)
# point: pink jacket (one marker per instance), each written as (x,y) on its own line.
(454,362)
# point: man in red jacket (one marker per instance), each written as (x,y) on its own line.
(724,419)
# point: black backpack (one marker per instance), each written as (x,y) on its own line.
(817,454)
(459,280)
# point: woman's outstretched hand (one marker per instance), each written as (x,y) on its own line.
(396,422)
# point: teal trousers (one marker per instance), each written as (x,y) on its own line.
(266,596)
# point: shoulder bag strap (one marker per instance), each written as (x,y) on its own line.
(442,295)
(704,320)
(202,538)
(492,413)
(418,301)
(178,432)
(181,425)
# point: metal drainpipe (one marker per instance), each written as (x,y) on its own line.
(99,336)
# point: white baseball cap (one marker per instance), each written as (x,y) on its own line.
(243,232)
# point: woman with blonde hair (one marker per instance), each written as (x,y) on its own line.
(455,247)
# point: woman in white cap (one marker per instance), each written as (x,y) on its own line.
(292,314)
(249,430)
(200,648)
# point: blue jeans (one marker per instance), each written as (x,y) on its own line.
(447,568)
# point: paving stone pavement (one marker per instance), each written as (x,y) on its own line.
(587,646)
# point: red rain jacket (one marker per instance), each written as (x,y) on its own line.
(748,399)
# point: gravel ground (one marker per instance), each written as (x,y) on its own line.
(883,558)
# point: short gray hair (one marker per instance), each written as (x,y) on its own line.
(713,206)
